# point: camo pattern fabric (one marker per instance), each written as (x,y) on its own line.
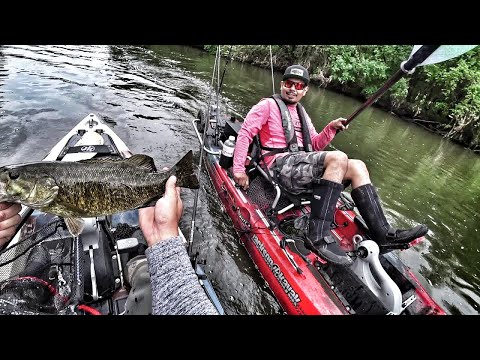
(297,171)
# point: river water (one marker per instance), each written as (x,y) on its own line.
(150,95)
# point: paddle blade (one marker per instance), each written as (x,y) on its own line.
(443,53)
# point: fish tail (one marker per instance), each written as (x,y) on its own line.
(184,170)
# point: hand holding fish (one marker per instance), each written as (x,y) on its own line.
(93,187)
(9,219)
(161,222)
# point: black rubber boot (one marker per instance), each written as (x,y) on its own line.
(368,204)
(319,238)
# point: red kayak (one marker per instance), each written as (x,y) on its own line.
(270,222)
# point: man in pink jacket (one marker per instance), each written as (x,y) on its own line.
(292,150)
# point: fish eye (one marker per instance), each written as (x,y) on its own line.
(13,175)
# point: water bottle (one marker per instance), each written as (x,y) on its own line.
(226,157)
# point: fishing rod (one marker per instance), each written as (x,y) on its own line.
(421,55)
(216,67)
(271,67)
(225,67)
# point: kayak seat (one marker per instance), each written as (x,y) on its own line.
(265,191)
(275,200)
(270,196)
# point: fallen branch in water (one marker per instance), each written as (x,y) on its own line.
(425,121)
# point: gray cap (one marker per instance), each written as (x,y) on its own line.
(297,72)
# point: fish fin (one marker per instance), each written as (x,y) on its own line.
(143,161)
(101,159)
(48,196)
(75,225)
(184,170)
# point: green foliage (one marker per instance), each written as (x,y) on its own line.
(449,92)
(362,69)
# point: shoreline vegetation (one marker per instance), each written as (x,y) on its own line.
(443,98)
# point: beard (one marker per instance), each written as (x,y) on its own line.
(288,101)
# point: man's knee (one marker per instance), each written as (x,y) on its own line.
(358,166)
(139,300)
(337,158)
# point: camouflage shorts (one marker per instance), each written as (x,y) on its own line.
(297,171)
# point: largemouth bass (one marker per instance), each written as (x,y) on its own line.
(94,187)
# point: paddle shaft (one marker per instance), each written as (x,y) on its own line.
(420,56)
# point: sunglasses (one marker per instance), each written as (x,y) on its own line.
(298,85)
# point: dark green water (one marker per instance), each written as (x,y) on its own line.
(151,95)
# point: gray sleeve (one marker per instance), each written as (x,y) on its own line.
(175,286)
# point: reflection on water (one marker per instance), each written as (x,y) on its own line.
(151,95)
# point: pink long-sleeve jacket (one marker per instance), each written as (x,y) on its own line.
(265,119)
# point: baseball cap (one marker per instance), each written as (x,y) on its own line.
(297,72)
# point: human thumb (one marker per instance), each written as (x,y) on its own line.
(170,186)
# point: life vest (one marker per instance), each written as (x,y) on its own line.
(289,130)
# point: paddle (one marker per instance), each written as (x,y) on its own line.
(420,55)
